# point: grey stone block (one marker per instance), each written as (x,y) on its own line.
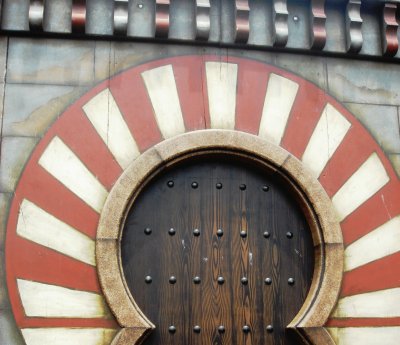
(9,333)
(50,61)
(182,14)
(298,29)
(57,16)
(382,122)
(371,31)
(141,18)
(102,58)
(30,109)
(4,300)
(364,81)
(227,21)
(5,200)
(309,67)
(3,58)
(260,23)
(99,17)
(335,28)
(395,160)
(215,21)
(15,151)
(124,55)
(1,105)
(15,15)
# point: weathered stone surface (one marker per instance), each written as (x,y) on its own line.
(309,67)
(99,20)
(50,61)
(227,22)
(335,28)
(364,81)
(141,21)
(1,105)
(395,159)
(182,26)
(58,16)
(14,153)
(9,334)
(4,301)
(5,200)
(124,55)
(371,32)
(298,26)
(215,29)
(3,57)
(102,56)
(260,23)
(30,109)
(381,121)
(15,14)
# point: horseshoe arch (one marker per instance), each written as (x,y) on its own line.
(72,172)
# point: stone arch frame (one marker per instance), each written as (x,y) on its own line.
(326,232)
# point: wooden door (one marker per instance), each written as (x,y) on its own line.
(216,251)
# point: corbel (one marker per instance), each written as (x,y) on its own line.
(36,15)
(318,24)
(162,18)
(121,16)
(390,42)
(203,23)
(78,16)
(242,13)
(354,38)
(280,23)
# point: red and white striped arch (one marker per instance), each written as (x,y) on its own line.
(50,258)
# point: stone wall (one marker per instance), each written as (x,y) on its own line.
(40,78)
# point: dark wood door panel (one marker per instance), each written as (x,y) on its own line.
(217,243)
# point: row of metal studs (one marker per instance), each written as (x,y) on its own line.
(220,233)
(220,280)
(221,329)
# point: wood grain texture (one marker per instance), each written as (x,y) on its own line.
(183,255)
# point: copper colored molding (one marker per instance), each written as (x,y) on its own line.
(280,23)
(317,207)
(162,18)
(242,13)
(318,24)
(121,16)
(203,23)
(78,16)
(36,14)
(354,38)
(390,42)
